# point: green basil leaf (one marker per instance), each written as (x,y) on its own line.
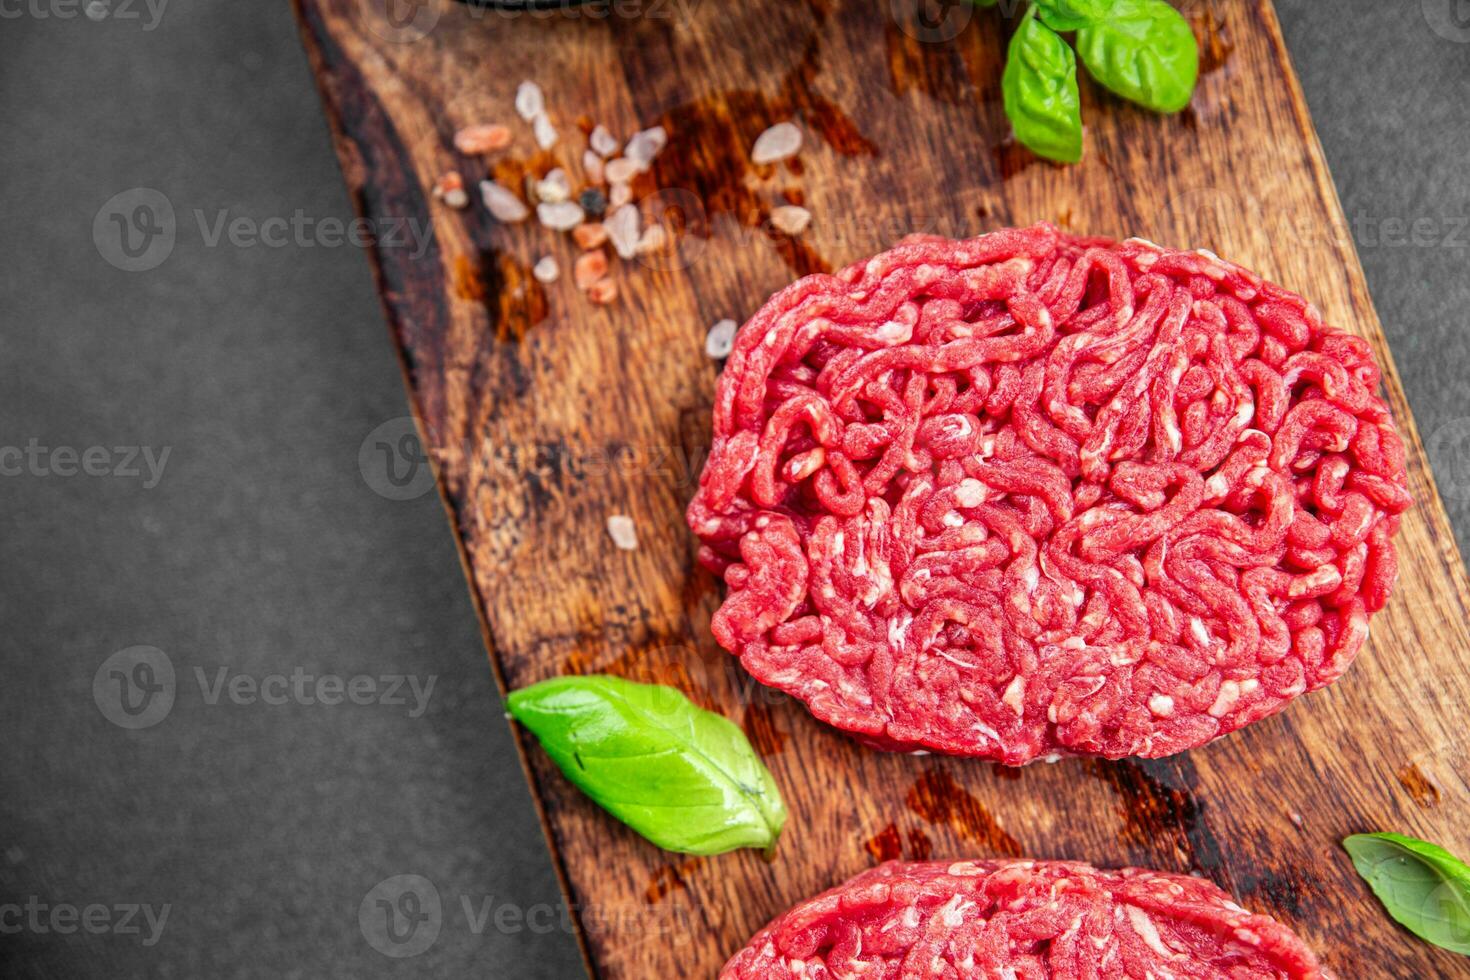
(1039,87)
(1424,887)
(1072,15)
(685,778)
(1145,51)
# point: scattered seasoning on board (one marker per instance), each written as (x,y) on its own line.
(589,236)
(720,340)
(592,166)
(622,170)
(530,102)
(449,188)
(554,187)
(781,142)
(602,292)
(790,219)
(560,216)
(482,139)
(622,229)
(545,132)
(594,203)
(590,267)
(604,143)
(653,239)
(620,528)
(502,202)
(644,146)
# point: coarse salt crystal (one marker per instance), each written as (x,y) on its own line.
(560,215)
(544,131)
(554,187)
(620,529)
(502,202)
(590,267)
(644,146)
(592,166)
(480,139)
(621,194)
(780,142)
(791,219)
(622,170)
(603,292)
(623,230)
(604,143)
(720,340)
(653,239)
(449,188)
(546,270)
(530,103)
(590,235)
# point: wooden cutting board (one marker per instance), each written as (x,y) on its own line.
(546,414)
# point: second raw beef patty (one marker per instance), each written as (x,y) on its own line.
(1023,919)
(1031,494)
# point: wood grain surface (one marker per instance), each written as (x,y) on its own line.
(546,413)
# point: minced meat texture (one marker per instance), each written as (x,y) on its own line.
(1022,920)
(1031,494)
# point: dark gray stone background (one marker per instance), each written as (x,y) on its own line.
(263,550)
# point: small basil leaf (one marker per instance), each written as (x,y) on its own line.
(685,778)
(985,3)
(1424,887)
(1144,51)
(1072,15)
(1039,87)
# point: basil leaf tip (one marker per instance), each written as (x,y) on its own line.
(1425,888)
(684,778)
(1039,90)
(1143,50)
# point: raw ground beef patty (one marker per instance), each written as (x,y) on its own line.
(1031,494)
(1023,920)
